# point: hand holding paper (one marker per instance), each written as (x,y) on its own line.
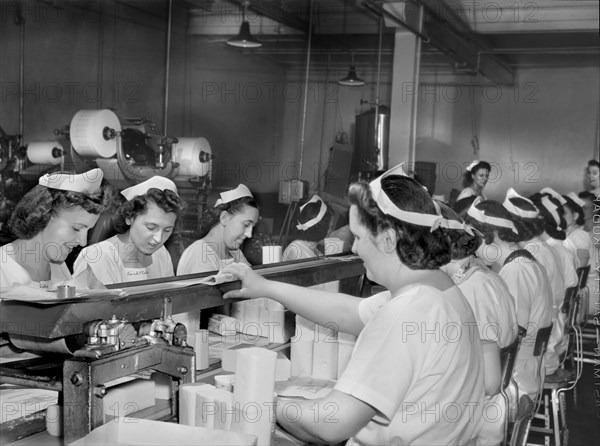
(253,285)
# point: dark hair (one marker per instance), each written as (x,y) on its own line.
(493,209)
(461,243)
(468,175)
(528,228)
(593,163)
(575,209)
(462,206)
(167,200)
(33,212)
(417,247)
(318,231)
(211,216)
(553,229)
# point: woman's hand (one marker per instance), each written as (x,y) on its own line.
(253,285)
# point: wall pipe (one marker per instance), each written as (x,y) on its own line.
(303,131)
(167,67)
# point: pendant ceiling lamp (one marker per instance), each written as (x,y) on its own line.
(244,39)
(352,79)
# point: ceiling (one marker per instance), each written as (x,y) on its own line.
(494,38)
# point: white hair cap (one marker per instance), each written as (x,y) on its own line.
(156,182)
(85,183)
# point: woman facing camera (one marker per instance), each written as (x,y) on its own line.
(474,180)
(403,370)
(49,221)
(224,229)
(593,177)
(143,223)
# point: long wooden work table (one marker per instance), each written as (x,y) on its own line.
(78,379)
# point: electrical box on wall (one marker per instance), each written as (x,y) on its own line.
(293,190)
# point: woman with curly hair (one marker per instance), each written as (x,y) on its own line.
(495,312)
(143,223)
(312,228)
(413,354)
(474,179)
(223,231)
(524,276)
(49,221)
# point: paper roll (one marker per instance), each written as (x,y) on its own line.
(187,152)
(45,152)
(88,136)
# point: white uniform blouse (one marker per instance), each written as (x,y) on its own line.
(13,274)
(105,262)
(202,257)
(529,285)
(418,363)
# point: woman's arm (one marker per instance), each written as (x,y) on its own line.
(492,376)
(322,307)
(331,419)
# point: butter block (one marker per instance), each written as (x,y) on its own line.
(301,357)
(187,402)
(214,408)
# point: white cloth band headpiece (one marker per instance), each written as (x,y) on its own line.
(156,182)
(389,208)
(552,208)
(449,223)
(310,223)
(578,201)
(85,183)
(552,192)
(480,216)
(234,194)
(511,193)
(473,164)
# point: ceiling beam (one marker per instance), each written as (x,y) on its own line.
(447,31)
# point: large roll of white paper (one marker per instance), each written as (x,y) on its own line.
(45,152)
(187,151)
(88,134)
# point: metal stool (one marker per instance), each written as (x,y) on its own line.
(508,358)
(523,422)
(554,408)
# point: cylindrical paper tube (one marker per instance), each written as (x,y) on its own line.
(45,152)
(89,136)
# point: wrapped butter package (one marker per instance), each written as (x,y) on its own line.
(223,325)
(262,317)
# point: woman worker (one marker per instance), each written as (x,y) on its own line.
(495,312)
(578,240)
(593,177)
(312,227)
(144,223)
(403,372)
(50,220)
(224,229)
(525,277)
(474,180)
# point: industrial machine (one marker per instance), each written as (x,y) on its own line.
(88,341)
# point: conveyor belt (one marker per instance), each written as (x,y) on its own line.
(57,319)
